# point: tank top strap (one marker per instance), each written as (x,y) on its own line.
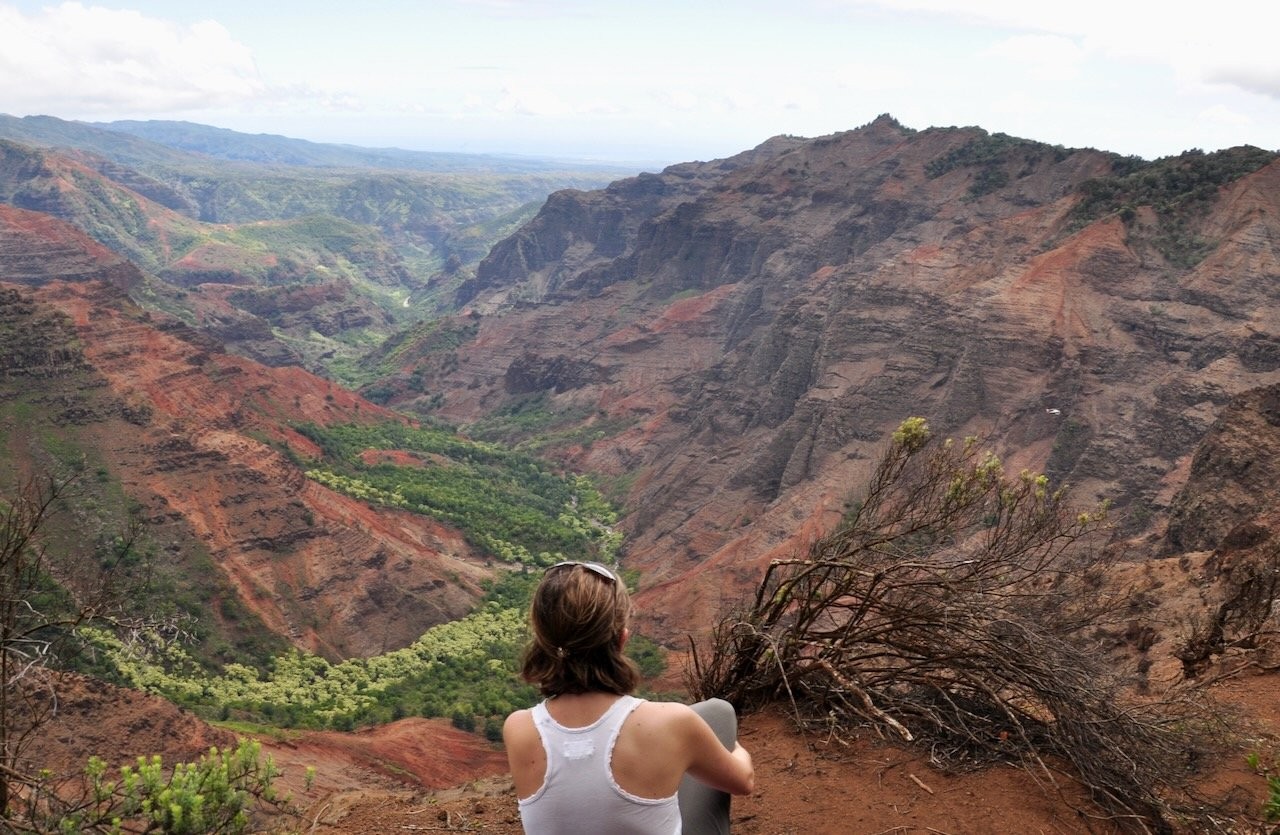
(617,714)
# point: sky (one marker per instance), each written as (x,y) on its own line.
(658,80)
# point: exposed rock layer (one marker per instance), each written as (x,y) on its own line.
(185,428)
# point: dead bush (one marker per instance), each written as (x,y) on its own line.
(953,608)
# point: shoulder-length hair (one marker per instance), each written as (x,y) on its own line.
(578,617)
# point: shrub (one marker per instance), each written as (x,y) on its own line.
(949,609)
(213,795)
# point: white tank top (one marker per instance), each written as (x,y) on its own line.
(578,793)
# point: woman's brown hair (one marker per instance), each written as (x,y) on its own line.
(578,617)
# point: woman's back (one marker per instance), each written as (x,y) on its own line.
(594,776)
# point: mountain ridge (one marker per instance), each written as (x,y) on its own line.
(273,148)
(421,231)
(134,142)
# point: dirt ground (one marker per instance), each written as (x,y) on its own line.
(420,775)
(810,785)
(803,787)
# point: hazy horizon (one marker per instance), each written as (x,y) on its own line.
(610,81)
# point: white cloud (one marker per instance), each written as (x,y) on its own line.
(602,107)
(473,103)
(1223,115)
(1044,57)
(1019,104)
(531,101)
(865,77)
(87,60)
(1254,78)
(683,100)
(1231,42)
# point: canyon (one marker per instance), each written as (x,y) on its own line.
(723,346)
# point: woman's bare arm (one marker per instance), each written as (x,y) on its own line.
(713,764)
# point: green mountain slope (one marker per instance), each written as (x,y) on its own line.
(275,149)
(440,212)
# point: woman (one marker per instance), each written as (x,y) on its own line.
(591,758)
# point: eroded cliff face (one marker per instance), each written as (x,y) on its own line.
(35,246)
(745,335)
(193,436)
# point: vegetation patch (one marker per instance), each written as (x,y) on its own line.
(466,671)
(533,425)
(522,418)
(993,155)
(507,503)
(466,667)
(1179,189)
(395,369)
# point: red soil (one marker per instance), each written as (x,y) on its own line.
(811,784)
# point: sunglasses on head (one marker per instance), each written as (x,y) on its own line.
(596,567)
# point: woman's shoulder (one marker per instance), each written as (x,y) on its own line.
(519,725)
(670,714)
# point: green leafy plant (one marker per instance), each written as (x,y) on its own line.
(215,794)
(1271,773)
(992,156)
(1178,189)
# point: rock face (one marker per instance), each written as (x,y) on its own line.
(746,333)
(1229,498)
(727,343)
(194,437)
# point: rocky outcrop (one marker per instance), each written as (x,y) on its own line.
(33,342)
(329,309)
(1228,499)
(36,248)
(584,237)
(530,373)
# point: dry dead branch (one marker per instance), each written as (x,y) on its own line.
(956,607)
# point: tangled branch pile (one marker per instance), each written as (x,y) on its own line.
(953,607)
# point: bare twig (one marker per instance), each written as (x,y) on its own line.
(919,783)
